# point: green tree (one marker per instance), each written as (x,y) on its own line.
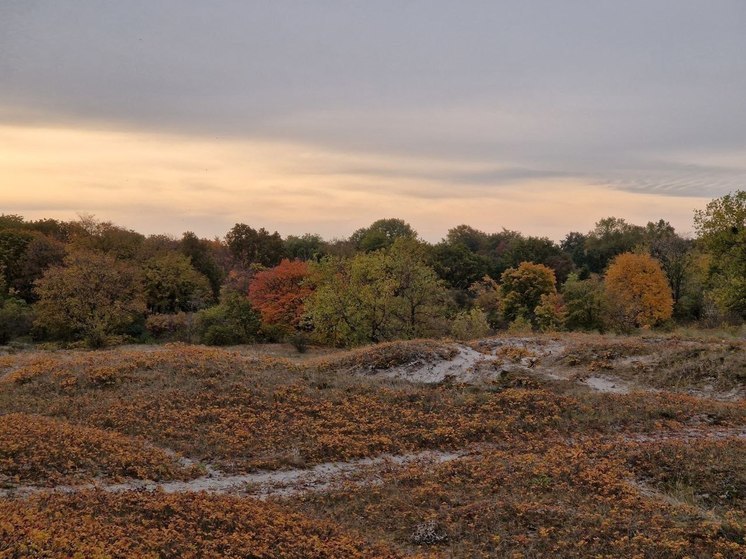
(540,250)
(675,255)
(233,321)
(721,230)
(40,253)
(473,240)
(470,325)
(421,295)
(13,244)
(251,246)
(16,318)
(574,246)
(610,237)
(200,251)
(522,288)
(487,296)
(376,296)
(91,234)
(172,285)
(457,265)
(382,234)
(585,303)
(551,313)
(305,247)
(93,296)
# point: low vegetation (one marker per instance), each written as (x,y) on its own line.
(534,465)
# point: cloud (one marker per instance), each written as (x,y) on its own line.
(55,172)
(294,111)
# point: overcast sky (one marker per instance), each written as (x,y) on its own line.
(322,116)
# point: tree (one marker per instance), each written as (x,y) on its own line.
(539,250)
(13,244)
(279,294)
(574,245)
(486,294)
(173,285)
(551,313)
(382,234)
(419,291)
(522,288)
(585,303)
(88,233)
(305,247)
(637,292)
(674,253)
(16,318)
(376,296)
(93,296)
(352,303)
(473,240)
(200,251)
(250,246)
(721,229)
(610,237)
(457,265)
(40,253)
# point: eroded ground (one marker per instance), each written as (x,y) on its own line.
(539,446)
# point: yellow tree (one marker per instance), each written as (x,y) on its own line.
(637,292)
(91,297)
(522,288)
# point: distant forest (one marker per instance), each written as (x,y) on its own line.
(90,282)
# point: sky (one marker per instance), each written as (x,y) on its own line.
(323,116)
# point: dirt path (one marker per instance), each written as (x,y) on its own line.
(689,434)
(263,484)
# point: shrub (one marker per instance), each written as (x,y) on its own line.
(299,340)
(469,325)
(521,325)
(16,319)
(176,327)
(233,321)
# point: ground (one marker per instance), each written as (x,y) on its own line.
(539,446)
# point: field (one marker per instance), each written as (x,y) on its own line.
(524,447)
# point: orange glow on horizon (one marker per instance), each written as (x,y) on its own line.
(168,184)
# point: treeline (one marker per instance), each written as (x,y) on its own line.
(93,282)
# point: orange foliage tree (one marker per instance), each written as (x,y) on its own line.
(279,293)
(637,291)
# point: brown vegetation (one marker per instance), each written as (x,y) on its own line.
(544,467)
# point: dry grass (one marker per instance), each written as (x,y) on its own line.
(46,451)
(532,499)
(158,526)
(550,473)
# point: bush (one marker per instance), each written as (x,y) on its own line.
(16,319)
(551,313)
(521,325)
(234,321)
(176,327)
(469,325)
(299,341)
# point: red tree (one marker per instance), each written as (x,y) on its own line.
(278,293)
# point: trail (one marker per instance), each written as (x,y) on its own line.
(263,484)
(689,434)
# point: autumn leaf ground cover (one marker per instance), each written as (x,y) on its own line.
(50,451)
(547,467)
